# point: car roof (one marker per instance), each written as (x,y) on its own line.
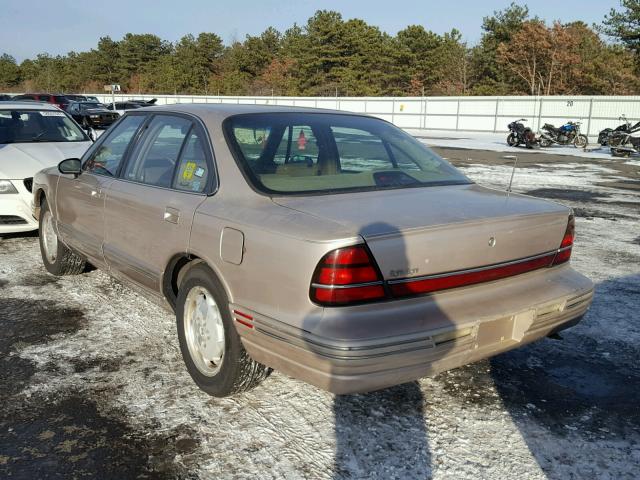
(220,111)
(28,105)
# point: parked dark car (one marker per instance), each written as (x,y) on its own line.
(82,98)
(61,101)
(122,107)
(91,114)
(5,98)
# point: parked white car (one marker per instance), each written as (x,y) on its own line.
(33,136)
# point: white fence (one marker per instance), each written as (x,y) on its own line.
(479,114)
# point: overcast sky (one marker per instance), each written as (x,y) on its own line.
(58,26)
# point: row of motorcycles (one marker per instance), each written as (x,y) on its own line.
(567,134)
(619,139)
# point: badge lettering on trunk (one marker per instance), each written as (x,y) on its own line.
(492,241)
(406,272)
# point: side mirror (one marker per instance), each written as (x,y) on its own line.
(71,166)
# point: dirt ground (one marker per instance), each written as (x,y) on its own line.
(92,383)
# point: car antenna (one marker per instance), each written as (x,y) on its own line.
(513,171)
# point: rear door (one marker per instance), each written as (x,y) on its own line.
(80,200)
(150,208)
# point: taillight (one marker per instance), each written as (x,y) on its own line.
(345,276)
(564,252)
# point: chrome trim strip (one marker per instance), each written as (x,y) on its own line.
(351,285)
(565,248)
(473,270)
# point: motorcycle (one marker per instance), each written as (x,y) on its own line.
(519,134)
(567,134)
(625,145)
(612,136)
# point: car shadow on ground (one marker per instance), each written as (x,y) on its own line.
(574,400)
(394,417)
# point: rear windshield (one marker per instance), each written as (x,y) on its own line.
(303,153)
(30,126)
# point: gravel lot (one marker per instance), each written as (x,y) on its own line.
(91,379)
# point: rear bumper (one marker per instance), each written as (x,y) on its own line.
(518,311)
(15,211)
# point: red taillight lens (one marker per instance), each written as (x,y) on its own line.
(564,252)
(346,275)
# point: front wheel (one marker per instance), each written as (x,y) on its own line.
(581,141)
(512,140)
(211,348)
(57,258)
(545,142)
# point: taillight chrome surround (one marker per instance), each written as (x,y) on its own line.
(350,275)
(347,276)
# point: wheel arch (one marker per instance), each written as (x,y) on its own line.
(39,197)
(176,270)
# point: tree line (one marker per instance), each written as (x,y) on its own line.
(516,55)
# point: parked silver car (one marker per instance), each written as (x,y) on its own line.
(332,247)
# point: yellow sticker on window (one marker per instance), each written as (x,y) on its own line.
(189,168)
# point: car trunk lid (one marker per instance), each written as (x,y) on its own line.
(425,231)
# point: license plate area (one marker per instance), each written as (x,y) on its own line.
(505,329)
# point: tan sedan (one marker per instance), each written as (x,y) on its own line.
(332,247)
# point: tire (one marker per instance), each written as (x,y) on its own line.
(616,152)
(512,140)
(581,141)
(545,142)
(603,137)
(57,258)
(219,369)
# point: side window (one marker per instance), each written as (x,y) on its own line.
(360,150)
(154,158)
(193,171)
(252,141)
(107,156)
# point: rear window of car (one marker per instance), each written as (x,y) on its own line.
(306,153)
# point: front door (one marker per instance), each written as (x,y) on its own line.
(80,201)
(149,209)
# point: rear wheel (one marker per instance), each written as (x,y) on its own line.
(57,258)
(617,152)
(581,141)
(210,346)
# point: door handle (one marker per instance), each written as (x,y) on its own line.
(171,215)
